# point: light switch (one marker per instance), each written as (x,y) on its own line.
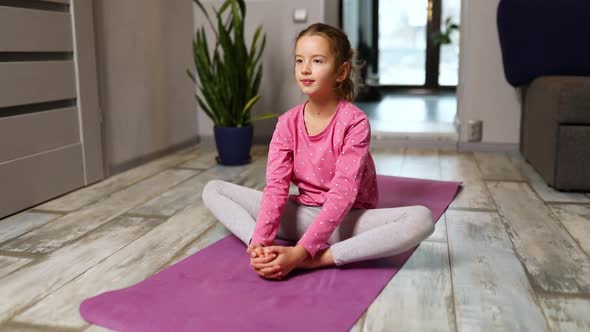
(300,15)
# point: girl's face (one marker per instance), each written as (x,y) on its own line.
(315,67)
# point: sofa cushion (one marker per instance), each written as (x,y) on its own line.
(566,97)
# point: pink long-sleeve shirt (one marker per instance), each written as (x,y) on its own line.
(332,169)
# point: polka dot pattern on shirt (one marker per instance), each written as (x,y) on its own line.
(331,171)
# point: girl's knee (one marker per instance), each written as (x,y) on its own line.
(424,213)
(424,218)
(211,189)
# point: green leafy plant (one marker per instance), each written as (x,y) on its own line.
(444,37)
(228,77)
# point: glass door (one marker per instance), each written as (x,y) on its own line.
(402,42)
(408,54)
(448,74)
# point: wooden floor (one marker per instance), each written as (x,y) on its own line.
(510,254)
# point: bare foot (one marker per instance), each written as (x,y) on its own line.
(322,258)
(265,266)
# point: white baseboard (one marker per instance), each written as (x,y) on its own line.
(413,143)
(511,148)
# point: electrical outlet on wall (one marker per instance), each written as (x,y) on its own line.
(474,130)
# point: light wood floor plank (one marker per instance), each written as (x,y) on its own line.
(21,223)
(496,166)
(576,219)
(457,166)
(136,262)
(32,283)
(183,195)
(552,257)
(567,314)
(205,158)
(18,327)
(255,176)
(419,298)
(388,161)
(9,264)
(440,230)
(51,236)
(212,235)
(100,190)
(547,193)
(491,289)
(174,200)
(463,167)
(358,326)
(96,328)
(473,195)
(421,164)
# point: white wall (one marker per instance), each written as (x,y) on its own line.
(483,93)
(143,50)
(278,89)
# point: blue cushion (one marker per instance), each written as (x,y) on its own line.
(543,37)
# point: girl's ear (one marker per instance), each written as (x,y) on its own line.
(344,70)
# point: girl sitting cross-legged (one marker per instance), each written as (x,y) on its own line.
(321,146)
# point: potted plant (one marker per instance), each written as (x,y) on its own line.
(229,78)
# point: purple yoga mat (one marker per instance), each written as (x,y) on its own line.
(216,290)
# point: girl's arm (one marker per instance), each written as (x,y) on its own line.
(344,186)
(278,177)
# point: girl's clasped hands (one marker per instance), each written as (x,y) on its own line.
(274,262)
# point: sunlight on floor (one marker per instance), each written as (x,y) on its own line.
(413,115)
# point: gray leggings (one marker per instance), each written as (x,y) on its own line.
(363,234)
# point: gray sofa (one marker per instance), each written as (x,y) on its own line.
(555,130)
(545,52)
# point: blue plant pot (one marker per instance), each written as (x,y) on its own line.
(233,144)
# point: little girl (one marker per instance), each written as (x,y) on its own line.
(322,146)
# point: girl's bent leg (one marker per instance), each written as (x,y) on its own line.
(377,233)
(235,206)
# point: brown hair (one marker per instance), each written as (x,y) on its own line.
(343,52)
